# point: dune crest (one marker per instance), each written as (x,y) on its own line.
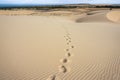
(114,16)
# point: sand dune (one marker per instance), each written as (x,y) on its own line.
(31,48)
(114,16)
(93,16)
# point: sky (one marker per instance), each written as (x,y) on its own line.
(59,1)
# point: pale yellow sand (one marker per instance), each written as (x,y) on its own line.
(114,16)
(32,46)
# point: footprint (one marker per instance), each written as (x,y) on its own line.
(70,41)
(52,77)
(69,37)
(64,60)
(66,39)
(67,43)
(72,46)
(67,49)
(68,54)
(62,69)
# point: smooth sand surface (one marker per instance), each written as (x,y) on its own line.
(114,16)
(31,48)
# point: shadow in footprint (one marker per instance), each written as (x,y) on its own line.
(67,49)
(62,69)
(64,60)
(72,46)
(53,77)
(68,54)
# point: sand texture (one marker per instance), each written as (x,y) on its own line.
(114,16)
(60,48)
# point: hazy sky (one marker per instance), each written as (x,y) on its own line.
(59,1)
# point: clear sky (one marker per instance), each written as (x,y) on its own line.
(59,1)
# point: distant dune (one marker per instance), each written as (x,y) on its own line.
(114,16)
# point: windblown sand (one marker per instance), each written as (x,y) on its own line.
(35,47)
(114,16)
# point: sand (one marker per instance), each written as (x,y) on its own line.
(31,48)
(114,16)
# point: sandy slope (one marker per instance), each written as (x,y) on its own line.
(114,16)
(31,48)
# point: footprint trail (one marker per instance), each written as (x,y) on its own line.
(64,66)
